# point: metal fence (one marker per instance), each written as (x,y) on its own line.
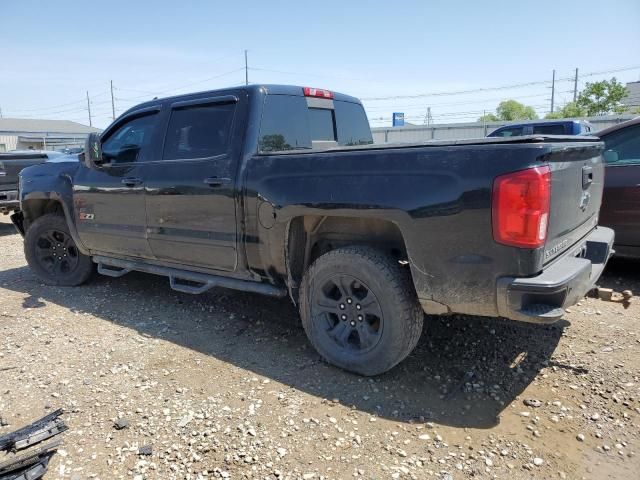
(457,131)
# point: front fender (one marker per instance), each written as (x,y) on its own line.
(50,182)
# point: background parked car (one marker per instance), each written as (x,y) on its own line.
(547,127)
(10,166)
(72,150)
(621,200)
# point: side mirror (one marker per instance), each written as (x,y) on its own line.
(92,151)
(610,156)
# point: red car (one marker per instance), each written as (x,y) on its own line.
(621,201)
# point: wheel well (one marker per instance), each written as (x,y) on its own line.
(311,236)
(33,209)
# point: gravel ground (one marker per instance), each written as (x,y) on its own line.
(225,385)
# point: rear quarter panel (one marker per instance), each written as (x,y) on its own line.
(439,197)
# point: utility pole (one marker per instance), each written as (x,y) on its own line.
(113,105)
(246,69)
(0,112)
(575,87)
(427,117)
(89,109)
(553,89)
(484,122)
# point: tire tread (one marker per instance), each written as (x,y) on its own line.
(401,287)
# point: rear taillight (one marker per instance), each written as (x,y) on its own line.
(521,207)
(317,92)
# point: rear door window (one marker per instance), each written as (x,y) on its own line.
(509,132)
(199,131)
(549,129)
(626,144)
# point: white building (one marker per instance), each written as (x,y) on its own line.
(24,134)
(632,99)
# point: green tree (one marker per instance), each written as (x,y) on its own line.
(570,110)
(488,117)
(512,110)
(602,98)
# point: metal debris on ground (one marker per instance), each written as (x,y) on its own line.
(42,429)
(609,295)
(28,466)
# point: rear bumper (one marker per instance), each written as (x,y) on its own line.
(542,299)
(9,201)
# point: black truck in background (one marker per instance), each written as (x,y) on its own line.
(11,164)
(279,190)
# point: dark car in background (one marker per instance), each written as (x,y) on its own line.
(621,200)
(72,150)
(546,127)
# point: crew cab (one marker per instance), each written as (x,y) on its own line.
(279,190)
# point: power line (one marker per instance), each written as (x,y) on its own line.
(447,104)
(179,87)
(319,75)
(503,87)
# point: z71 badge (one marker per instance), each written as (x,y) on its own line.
(86,216)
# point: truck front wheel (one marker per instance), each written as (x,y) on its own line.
(359,310)
(52,254)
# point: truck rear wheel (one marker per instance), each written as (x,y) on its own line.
(52,254)
(359,310)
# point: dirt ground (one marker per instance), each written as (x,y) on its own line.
(225,385)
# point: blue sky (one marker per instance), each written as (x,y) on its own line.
(53,52)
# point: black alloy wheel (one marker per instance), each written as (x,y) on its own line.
(348,313)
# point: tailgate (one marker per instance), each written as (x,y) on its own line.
(12,165)
(577,181)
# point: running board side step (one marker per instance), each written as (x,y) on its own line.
(110,271)
(183,280)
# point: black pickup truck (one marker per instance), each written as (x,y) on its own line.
(279,190)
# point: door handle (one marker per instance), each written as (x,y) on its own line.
(217,181)
(131,181)
(587,176)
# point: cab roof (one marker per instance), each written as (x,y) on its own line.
(256,89)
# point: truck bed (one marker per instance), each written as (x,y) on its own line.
(450,143)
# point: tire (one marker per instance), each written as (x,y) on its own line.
(332,289)
(52,254)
